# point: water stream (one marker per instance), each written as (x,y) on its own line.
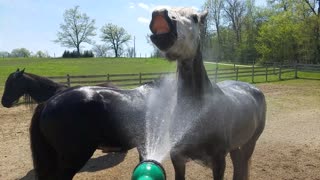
(161,132)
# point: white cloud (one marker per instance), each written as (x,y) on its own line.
(143,20)
(144,6)
(132,5)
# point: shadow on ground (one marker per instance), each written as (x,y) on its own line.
(94,164)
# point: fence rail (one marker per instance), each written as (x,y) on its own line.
(269,72)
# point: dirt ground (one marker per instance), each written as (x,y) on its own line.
(289,148)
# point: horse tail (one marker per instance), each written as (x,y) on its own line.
(43,155)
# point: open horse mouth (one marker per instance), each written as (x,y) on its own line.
(164,31)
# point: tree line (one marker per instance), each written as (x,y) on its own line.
(23,52)
(235,30)
(283,31)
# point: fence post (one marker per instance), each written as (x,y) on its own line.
(252,78)
(68,80)
(266,72)
(237,73)
(108,77)
(295,70)
(274,68)
(216,74)
(280,68)
(140,78)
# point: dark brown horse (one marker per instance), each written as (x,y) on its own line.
(20,83)
(33,88)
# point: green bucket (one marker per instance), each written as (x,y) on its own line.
(149,170)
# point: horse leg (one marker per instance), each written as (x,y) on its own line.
(219,166)
(241,158)
(179,165)
(71,163)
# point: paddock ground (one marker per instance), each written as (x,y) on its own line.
(288,149)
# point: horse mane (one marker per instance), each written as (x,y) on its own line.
(46,81)
(28,100)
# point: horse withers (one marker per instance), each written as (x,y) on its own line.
(210,120)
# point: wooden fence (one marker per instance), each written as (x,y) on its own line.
(268,72)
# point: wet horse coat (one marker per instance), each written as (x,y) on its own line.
(223,117)
(66,130)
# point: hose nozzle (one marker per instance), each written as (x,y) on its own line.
(149,170)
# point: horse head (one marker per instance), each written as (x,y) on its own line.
(15,87)
(176,31)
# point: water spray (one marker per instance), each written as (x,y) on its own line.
(149,170)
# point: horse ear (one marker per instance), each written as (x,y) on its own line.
(19,73)
(18,70)
(203,16)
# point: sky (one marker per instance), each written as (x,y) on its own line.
(33,24)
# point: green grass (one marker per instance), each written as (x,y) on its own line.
(83,66)
(98,66)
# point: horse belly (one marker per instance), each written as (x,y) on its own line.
(243,126)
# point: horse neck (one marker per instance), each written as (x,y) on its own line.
(40,89)
(193,81)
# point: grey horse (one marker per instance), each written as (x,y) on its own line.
(210,120)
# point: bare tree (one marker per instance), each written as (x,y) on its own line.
(100,50)
(215,8)
(76,29)
(131,52)
(115,37)
(235,11)
(215,11)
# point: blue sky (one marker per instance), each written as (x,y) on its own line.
(33,24)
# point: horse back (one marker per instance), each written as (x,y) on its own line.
(94,112)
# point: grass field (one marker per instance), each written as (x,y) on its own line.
(84,66)
(98,66)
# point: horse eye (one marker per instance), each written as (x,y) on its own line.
(195,18)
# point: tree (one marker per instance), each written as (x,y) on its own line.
(4,54)
(130,52)
(214,16)
(235,10)
(115,37)
(100,50)
(41,54)
(77,28)
(20,52)
(279,39)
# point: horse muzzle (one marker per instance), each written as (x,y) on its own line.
(163,28)
(6,102)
